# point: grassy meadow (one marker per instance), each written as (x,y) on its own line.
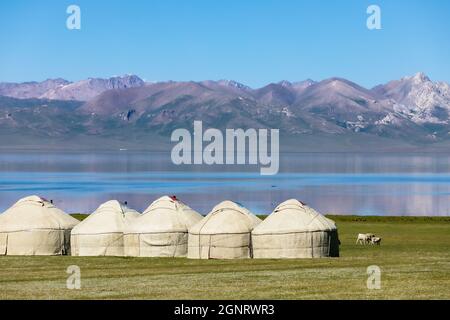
(414,258)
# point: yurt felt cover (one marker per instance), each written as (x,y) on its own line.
(101,233)
(34,226)
(223,234)
(162,230)
(295,230)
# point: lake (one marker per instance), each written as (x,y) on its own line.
(360,184)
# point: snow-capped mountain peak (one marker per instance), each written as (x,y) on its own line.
(423,100)
(420,77)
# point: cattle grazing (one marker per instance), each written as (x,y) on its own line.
(364,238)
(376,241)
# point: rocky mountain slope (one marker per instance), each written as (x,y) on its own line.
(413,111)
(60,89)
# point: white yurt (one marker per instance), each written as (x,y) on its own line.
(225,233)
(294,230)
(34,226)
(102,232)
(162,230)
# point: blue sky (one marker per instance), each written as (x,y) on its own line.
(253,42)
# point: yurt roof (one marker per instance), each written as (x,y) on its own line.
(227,204)
(33,213)
(226,218)
(294,216)
(110,217)
(166,214)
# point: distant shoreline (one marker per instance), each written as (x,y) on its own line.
(118,150)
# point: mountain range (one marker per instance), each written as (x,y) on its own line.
(126,112)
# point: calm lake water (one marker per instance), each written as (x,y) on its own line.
(362,184)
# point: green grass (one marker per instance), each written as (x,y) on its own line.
(80,216)
(414,259)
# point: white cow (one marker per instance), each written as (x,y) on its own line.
(375,241)
(364,238)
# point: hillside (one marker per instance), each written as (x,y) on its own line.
(125,112)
